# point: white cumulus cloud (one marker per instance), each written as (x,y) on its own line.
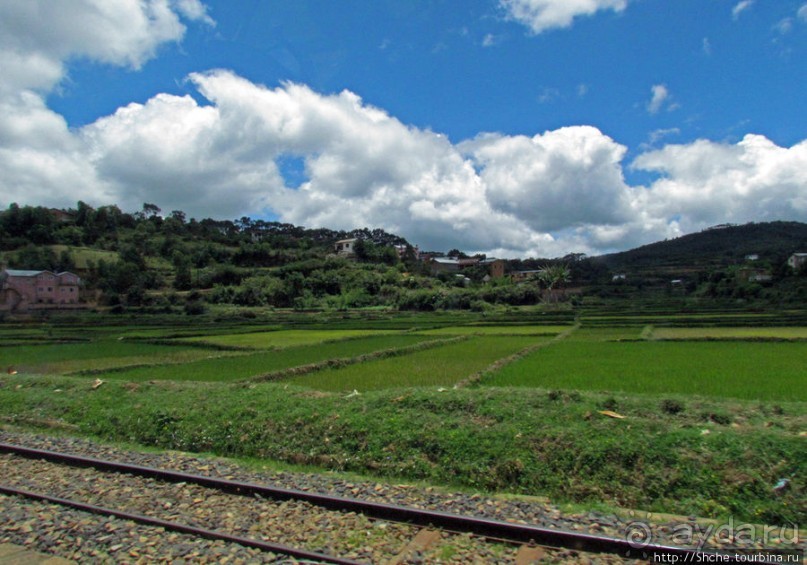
(364,167)
(48,33)
(564,178)
(706,182)
(194,10)
(41,159)
(541,15)
(545,195)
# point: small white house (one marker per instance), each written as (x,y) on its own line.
(345,247)
(797,260)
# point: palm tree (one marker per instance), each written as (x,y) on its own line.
(554,277)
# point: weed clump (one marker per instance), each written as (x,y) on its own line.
(716,417)
(610,403)
(564,396)
(671,406)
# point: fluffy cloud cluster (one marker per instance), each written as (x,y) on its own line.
(706,181)
(541,15)
(568,177)
(553,193)
(41,159)
(38,36)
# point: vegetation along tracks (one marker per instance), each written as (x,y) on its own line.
(388,532)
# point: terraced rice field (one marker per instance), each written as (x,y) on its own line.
(737,369)
(758,362)
(731,333)
(440,367)
(285,338)
(102,354)
(240,367)
(714,411)
(497,330)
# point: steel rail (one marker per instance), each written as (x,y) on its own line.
(182,528)
(483,527)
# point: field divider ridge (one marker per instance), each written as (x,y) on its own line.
(135,366)
(477,377)
(339,362)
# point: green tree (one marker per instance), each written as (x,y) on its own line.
(183,279)
(554,277)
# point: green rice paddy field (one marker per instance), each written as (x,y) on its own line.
(749,370)
(443,366)
(715,410)
(286,338)
(96,354)
(229,367)
(764,363)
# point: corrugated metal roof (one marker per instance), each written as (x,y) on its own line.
(22,273)
(29,273)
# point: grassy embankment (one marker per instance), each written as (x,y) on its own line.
(531,441)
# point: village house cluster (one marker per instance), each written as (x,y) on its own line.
(437,264)
(27,290)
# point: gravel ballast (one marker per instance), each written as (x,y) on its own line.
(86,538)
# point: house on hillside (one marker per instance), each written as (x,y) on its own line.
(401,250)
(754,275)
(495,268)
(439,265)
(524,276)
(30,290)
(345,247)
(797,260)
(62,216)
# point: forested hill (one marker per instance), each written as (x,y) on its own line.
(155,262)
(723,245)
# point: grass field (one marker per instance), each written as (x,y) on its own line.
(750,370)
(444,366)
(534,442)
(83,256)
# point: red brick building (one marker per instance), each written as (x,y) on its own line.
(27,290)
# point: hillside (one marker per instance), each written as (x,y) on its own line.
(149,262)
(772,242)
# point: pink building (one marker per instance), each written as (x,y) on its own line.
(24,290)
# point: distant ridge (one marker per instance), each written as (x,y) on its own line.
(720,245)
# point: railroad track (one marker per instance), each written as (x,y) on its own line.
(426,526)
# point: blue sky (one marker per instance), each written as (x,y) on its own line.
(513,127)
